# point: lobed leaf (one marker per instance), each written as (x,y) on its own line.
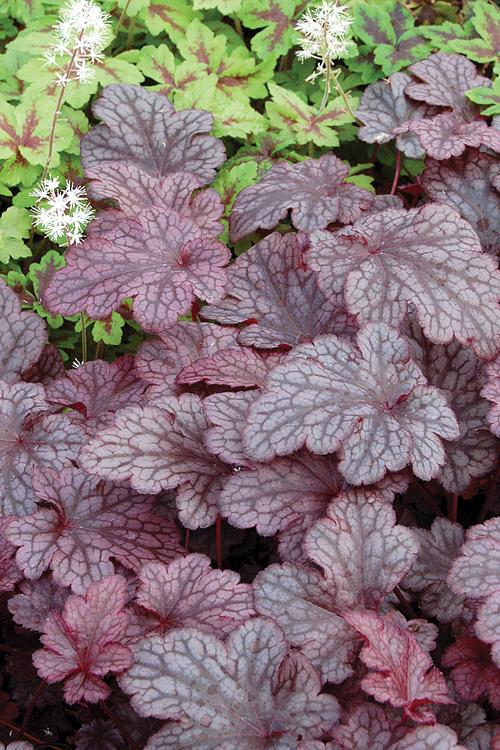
(447,135)
(227,411)
(429,257)
(82,524)
(491,391)
(9,572)
(36,600)
(487,626)
(472,672)
(475,571)
(23,336)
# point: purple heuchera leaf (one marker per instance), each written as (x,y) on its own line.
(466,184)
(134,190)
(227,412)
(304,605)
(444,79)
(428,576)
(315,190)
(48,367)
(362,552)
(142,128)
(36,600)
(217,690)
(236,367)
(9,572)
(371,401)
(158,257)
(487,626)
(161,359)
(83,524)
(447,135)
(472,672)
(156,448)
(85,642)
(98,733)
(457,372)
(427,256)
(384,107)
(367,727)
(96,390)
(475,572)
(491,391)
(17,746)
(188,593)
(30,438)
(23,336)
(435,737)
(402,673)
(268,284)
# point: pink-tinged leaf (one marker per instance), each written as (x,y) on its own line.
(446,135)
(402,673)
(459,375)
(361,550)
(17,746)
(367,727)
(160,360)
(472,672)
(188,593)
(304,606)
(9,572)
(36,600)
(488,625)
(384,107)
(48,367)
(268,284)
(83,524)
(142,128)
(23,336)
(134,190)
(158,257)
(466,184)
(436,737)
(29,438)
(491,391)
(98,389)
(236,367)
(426,633)
(85,642)
(227,412)
(315,190)
(98,734)
(428,575)
(475,572)
(371,401)
(427,256)
(218,689)
(444,79)
(155,448)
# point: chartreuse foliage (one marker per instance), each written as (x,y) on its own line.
(260,510)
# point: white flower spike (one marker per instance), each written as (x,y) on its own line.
(324,34)
(61,214)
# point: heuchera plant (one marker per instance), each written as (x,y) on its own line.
(269,518)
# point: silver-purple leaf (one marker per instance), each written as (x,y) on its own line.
(384,107)
(491,391)
(447,135)
(442,80)
(487,626)
(304,605)
(133,190)
(141,127)
(83,523)
(361,550)
(23,336)
(315,190)
(48,367)
(475,571)
(158,257)
(237,367)
(466,184)
(35,601)
(216,690)
(155,449)
(371,401)
(269,284)
(227,412)
(427,256)
(30,438)
(160,360)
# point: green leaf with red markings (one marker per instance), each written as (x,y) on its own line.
(485,47)
(171,17)
(275,18)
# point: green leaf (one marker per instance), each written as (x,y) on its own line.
(298,122)
(372,24)
(39,275)
(171,17)
(226,7)
(443,35)
(275,18)
(230,181)
(132,6)
(15,225)
(160,64)
(489,97)
(486,22)
(109,331)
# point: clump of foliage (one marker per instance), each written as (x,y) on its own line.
(249,375)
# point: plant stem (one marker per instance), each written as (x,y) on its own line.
(83,323)
(238,27)
(131,29)
(186,540)
(218,542)
(397,172)
(342,93)
(99,350)
(453,508)
(121,19)
(328,86)
(30,737)
(29,711)
(405,604)
(120,727)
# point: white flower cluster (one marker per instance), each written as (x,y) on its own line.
(61,214)
(324,34)
(82,32)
